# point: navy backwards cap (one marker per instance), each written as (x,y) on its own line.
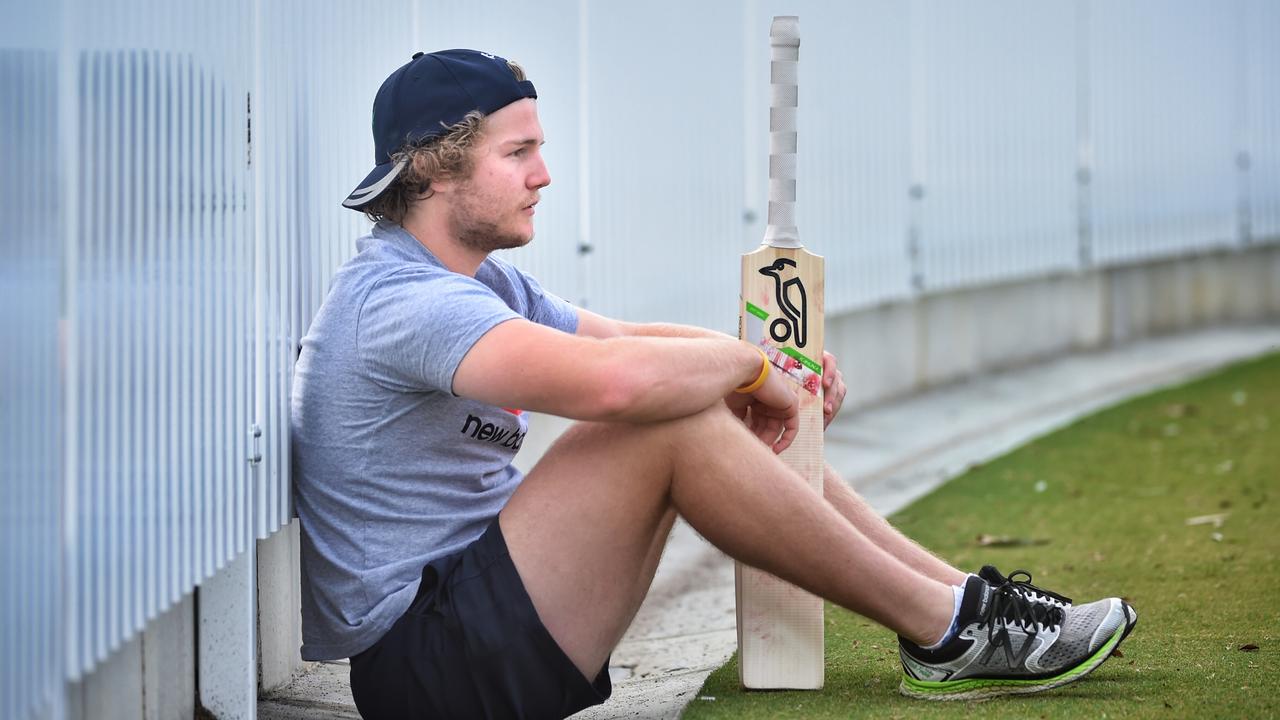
(424,99)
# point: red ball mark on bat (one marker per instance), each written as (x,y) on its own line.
(513,411)
(811,384)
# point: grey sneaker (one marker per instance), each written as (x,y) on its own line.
(1023,585)
(1009,644)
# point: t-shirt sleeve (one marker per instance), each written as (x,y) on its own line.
(416,326)
(546,308)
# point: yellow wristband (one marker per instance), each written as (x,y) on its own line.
(764,373)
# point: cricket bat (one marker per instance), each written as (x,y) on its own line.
(780,627)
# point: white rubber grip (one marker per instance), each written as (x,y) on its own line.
(784,40)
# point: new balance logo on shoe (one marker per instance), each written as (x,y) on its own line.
(985,601)
(488,432)
(1001,639)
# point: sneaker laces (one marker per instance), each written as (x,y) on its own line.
(1009,605)
(1026,588)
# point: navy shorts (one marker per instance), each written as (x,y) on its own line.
(471,646)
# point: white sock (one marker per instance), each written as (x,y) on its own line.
(958,593)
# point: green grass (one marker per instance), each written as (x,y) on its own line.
(1107,499)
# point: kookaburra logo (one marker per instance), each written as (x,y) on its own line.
(793,303)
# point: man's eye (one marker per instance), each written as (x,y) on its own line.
(520,152)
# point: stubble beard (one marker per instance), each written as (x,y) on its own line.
(469,224)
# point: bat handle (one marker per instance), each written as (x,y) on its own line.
(784,41)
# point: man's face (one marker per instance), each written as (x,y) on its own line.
(493,209)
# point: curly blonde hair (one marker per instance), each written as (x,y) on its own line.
(448,155)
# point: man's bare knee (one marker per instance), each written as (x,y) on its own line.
(715,419)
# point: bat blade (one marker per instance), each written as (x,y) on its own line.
(780,627)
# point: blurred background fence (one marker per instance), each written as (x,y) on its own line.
(170,218)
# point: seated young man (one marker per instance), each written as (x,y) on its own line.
(460,588)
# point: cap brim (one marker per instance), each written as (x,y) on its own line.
(373,185)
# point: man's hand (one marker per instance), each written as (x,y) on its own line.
(833,388)
(771,413)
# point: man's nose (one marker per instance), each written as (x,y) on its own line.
(540,177)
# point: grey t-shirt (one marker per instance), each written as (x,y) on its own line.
(391,469)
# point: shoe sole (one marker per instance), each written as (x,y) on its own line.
(982,688)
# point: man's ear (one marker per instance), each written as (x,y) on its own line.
(443,184)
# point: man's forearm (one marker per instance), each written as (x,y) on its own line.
(660,371)
(674,376)
(672,330)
